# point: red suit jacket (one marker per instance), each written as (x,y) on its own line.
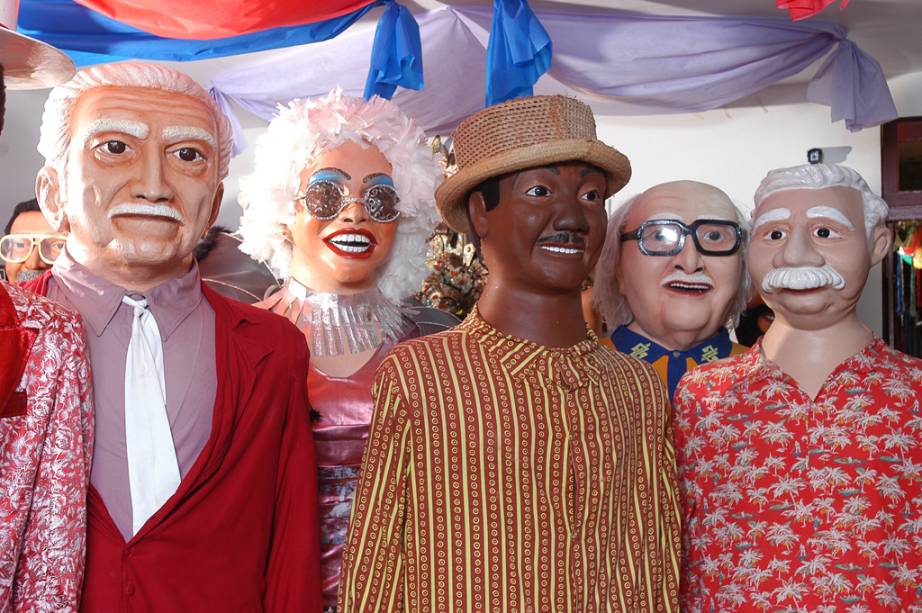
(241,532)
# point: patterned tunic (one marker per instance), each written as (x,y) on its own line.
(501,475)
(800,504)
(46,441)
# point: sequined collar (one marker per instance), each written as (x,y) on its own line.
(340,324)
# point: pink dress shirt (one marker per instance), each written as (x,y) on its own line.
(187,327)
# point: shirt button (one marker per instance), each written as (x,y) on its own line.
(129,589)
(676,354)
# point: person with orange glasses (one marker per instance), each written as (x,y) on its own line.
(29,245)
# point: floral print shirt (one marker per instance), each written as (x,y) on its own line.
(800,504)
(46,439)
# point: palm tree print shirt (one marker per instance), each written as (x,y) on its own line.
(800,504)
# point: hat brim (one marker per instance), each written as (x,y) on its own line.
(451,195)
(31,64)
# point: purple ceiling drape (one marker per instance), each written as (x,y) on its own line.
(620,63)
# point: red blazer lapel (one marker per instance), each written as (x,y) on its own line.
(237,360)
(15,345)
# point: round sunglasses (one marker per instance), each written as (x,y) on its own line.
(324,200)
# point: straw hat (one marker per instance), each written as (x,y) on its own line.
(524,133)
(28,63)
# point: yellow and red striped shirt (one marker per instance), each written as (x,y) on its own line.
(502,475)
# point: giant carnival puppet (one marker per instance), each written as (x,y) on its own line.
(671,277)
(203,480)
(340,205)
(513,463)
(799,460)
(46,406)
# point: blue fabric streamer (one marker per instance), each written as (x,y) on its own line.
(92,38)
(397,54)
(518,53)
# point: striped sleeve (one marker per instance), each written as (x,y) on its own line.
(374,558)
(663,554)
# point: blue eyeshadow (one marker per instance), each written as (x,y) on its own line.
(381,179)
(334,176)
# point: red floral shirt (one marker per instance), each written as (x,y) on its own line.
(793,504)
(46,438)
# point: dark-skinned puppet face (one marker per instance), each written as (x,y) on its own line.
(541,229)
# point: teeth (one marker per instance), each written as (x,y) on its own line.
(352,243)
(352,238)
(566,250)
(689,286)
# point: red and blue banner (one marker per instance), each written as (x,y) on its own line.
(220,18)
(90,37)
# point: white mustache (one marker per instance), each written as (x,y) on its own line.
(153,210)
(802,277)
(681,277)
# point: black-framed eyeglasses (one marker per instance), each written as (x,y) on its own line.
(665,237)
(324,200)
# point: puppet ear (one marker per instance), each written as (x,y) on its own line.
(48,194)
(881,241)
(477,211)
(215,206)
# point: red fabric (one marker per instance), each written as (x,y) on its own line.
(792,503)
(15,343)
(219,18)
(241,532)
(46,444)
(804,9)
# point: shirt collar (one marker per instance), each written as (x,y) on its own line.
(567,367)
(756,367)
(627,341)
(98,299)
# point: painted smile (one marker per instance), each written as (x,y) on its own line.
(694,284)
(351,243)
(563,243)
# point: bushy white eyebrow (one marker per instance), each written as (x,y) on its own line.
(828,212)
(130,127)
(772,215)
(180,133)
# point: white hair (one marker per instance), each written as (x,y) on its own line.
(821,176)
(301,132)
(607,298)
(57,131)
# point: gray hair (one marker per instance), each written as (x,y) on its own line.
(821,176)
(56,129)
(305,129)
(606,295)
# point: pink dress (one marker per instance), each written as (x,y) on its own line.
(342,410)
(341,415)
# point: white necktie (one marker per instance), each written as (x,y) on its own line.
(153,472)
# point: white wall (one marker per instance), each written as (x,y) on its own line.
(730,148)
